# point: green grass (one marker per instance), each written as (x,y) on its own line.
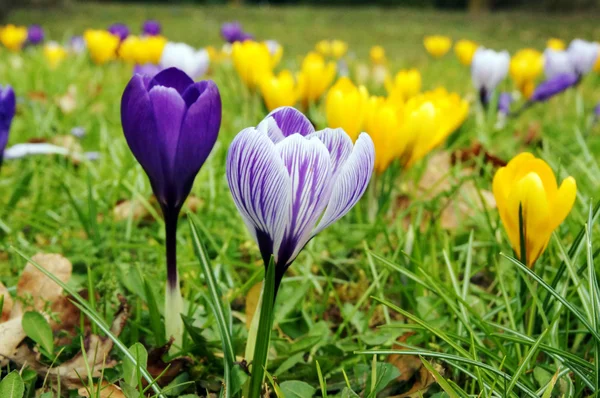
(358,286)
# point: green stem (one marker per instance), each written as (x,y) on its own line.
(263,337)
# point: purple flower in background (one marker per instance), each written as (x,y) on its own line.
(149,70)
(504,101)
(232,32)
(597,111)
(583,55)
(35,34)
(553,86)
(7,112)
(119,29)
(557,63)
(77,44)
(289,182)
(151,28)
(171,125)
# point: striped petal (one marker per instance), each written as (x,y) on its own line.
(309,166)
(260,186)
(351,183)
(338,143)
(289,121)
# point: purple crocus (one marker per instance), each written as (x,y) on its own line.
(151,28)
(7,113)
(35,34)
(553,86)
(597,111)
(77,44)
(504,102)
(119,29)
(232,32)
(289,182)
(149,70)
(171,125)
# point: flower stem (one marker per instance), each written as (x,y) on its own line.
(173,299)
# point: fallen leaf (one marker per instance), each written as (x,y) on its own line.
(38,96)
(106,391)
(193,203)
(69,142)
(130,208)
(422,384)
(252,299)
(165,372)
(37,286)
(11,335)
(68,102)
(8,303)
(408,365)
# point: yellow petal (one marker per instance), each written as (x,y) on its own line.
(563,202)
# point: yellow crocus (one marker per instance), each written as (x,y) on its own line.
(383,121)
(129,47)
(556,44)
(597,64)
(102,45)
(317,76)
(525,66)
(54,54)
(465,50)
(377,55)
(345,106)
(437,45)
(323,47)
(153,47)
(280,90)
(527,185)
(13,37)
(406,84)
(252,61)
(338,48)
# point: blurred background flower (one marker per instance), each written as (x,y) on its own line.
(437,45)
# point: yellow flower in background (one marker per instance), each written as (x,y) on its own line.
(317,76)
(280,90)
(129,47)
(437,45)
(13,37)
(54,54)
(142,50)
(528,185)
(217,56)
(345,106)
(323,47)
(465,50)
(406,84)
(377,55)
(556,44)
(383,123)
(525,66)
(101,44)
(252,61)
(597,64)
(338,48)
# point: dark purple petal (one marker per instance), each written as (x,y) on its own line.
(338,143)
(553,86)
(261,187)
(172,77)
(119,29)
(35,34)
(7,113)
(150,70)
(245,36)
(309,165)
(139,127)
(504,101)
(351,183)
(151,28)
(290,121)
(199,132)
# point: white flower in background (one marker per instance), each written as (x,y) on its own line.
(273,46)
(488,69)
(185,57)
(583,55)
(557,63)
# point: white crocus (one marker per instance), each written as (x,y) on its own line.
(488,69)
(185,57)
(583,55)
(557,63)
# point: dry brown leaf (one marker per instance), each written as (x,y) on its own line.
(193,203)
(422,384)
(11,335)
(68,102)
(130,208)
(165,372)
(8,303)
(106,391)
(252,299)
(408,365)
(69,142)
(34,284)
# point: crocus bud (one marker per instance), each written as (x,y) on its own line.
(583,55)
(553,86)
(252,61)
(13,37)
(102,45)
(280,90)
(504,101)
(406,84)
(232,32)
(556,44)
(151,28)
(119,29)
(437,45)
(465,50)
(77,44)
(526,189)
(377,55)
(54,53)
(557,63)
(7,112)
(488,69)
(345,106)
(318,76)
(185,57)
(35,34)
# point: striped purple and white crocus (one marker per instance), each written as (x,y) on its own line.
(289,182)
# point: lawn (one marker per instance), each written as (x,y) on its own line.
(424,296)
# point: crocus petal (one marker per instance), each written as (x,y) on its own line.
(352,182)
(563,203)
(338,143)
(260,186)
(199,131)
(172,77)
(291,121)
(309,166)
